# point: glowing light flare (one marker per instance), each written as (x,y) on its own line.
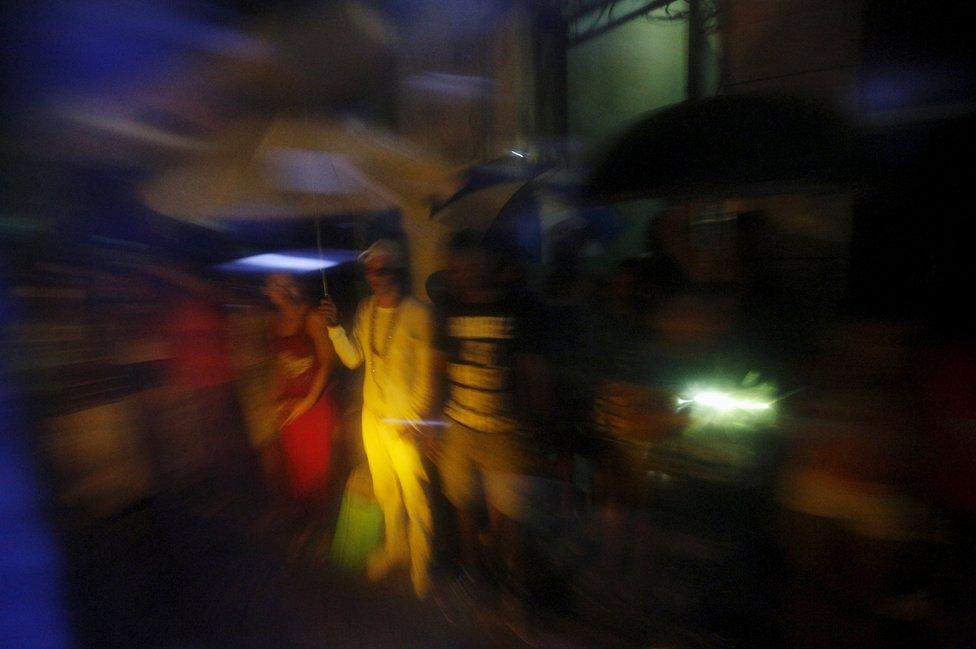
(724,402)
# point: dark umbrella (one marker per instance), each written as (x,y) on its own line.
(524,204)
(727,145)
(513,169)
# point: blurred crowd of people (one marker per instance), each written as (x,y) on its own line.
(634,448)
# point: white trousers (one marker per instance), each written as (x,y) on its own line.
(399,481)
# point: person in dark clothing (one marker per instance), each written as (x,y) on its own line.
(490,341)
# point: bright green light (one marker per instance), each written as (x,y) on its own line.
(745,406)
(725,402)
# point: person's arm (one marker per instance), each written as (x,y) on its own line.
(438,368)
(430,363)
(438,361)
(275,385)
(533,375)
(348,348)
(325,353)
(426,362)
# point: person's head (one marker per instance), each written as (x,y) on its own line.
(472,264)
(384,266)
(283,290)
(438,289)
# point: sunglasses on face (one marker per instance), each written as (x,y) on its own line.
(383,271)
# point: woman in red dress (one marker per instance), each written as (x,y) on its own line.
(303,394)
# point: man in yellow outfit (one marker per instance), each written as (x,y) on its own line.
(391,334)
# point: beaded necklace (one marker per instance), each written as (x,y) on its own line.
(374,347)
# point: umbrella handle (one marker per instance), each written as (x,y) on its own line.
(318,244)
(318,225)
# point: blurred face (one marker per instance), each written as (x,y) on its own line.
(467,271)
(282,289)
(381,275)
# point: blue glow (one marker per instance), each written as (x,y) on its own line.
(292,261)
(287,262)
(32,610)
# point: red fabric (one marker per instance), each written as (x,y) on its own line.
(306,445)
(292,349)
(306,442)
(197,334)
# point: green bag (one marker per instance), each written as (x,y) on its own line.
(359,529)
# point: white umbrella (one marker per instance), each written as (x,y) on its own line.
(295,167)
